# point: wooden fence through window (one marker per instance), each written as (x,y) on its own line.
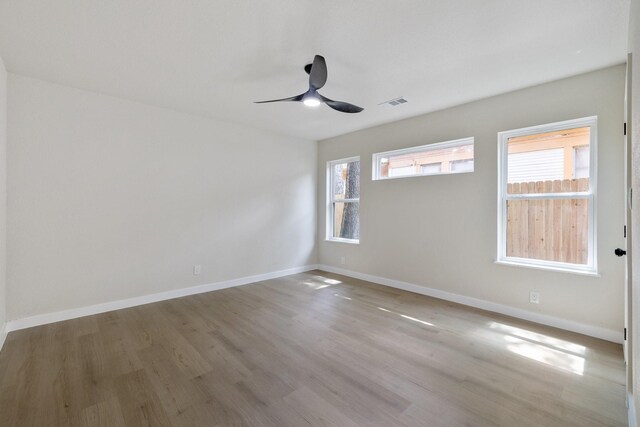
(548,229)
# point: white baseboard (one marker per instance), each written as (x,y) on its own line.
(631,403)
(556,322)
(544,319)
(73,313)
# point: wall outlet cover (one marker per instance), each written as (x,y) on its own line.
(534,297)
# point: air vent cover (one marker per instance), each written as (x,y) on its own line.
(394,102)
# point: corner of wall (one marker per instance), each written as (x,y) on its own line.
(316,235)
(3,202)
(634,126)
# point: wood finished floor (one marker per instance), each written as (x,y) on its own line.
(308,349)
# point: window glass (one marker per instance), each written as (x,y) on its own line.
(433,159)
(344,200)
(462,165)
(402,171)
(548,229)
(581,162)
(561,155)
(347,221)
(547,210)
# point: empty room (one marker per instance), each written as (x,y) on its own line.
(320,213)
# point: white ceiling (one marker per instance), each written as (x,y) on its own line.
(215,57)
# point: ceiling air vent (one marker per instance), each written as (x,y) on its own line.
(394,102)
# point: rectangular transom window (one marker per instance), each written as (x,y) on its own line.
(546,193)
(343,200)
(431,159)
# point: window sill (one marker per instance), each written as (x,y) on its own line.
(338,240)
(553,268)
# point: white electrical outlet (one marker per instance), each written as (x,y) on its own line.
(197,269)
(343,260)
(534,297)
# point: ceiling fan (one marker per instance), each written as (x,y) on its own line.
(317,78)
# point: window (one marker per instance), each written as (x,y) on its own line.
(546,191)
(431,168)
(432,159)
(343,215)
(538,165)
(461,165)
(581,161)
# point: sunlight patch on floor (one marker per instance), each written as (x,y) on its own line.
(542,348)
(541,338)
(320,282)
(404,316)
(549,356)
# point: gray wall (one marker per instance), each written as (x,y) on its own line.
(3,199)
(111,199)
(441,232)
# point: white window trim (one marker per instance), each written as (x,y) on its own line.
(330,200)
(377,157)
(591,268)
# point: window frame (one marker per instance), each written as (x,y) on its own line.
(331,200)
(377,157)
(591,268)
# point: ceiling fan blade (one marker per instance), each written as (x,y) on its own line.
(293,98)
(318,75)
(343,107)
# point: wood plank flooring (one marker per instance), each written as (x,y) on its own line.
(308,349)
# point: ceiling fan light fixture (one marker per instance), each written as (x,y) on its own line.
(310,101)
(311,98)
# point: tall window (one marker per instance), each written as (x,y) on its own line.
(343,216)
(547,188)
